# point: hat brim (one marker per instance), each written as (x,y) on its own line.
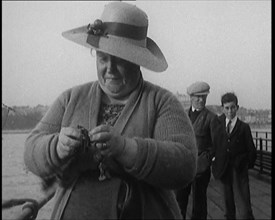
(149,57)
(200,93)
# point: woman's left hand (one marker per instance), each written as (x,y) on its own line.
(108,141)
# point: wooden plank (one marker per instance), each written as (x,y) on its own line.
(214,201)
(260,212)
(214,211)
(260,190)
(262,186)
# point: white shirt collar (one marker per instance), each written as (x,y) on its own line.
(233,121)
(193,109)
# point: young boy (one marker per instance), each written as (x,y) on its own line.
(234,154)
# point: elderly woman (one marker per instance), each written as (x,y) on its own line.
(119,146)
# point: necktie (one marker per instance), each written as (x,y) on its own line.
(194,115)
(228,127)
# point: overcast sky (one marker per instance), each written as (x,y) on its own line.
(225,43)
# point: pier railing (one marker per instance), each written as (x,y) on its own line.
(263,143)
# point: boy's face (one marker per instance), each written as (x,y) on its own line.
(230,109)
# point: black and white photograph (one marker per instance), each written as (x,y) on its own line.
(136,110)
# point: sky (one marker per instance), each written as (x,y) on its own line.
(224,43)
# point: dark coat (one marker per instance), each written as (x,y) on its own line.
(237,149)
(202,128)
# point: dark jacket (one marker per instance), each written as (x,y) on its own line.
(237,149)
(202,128)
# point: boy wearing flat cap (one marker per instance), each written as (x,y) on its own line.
(202,120)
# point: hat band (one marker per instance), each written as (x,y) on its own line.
(114,29)
(125,30)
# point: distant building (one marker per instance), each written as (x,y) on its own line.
(250,119)
(184,100)
(251,116)
(269,117)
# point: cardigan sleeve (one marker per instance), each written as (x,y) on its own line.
(169,158)
(70,109)
(40,154)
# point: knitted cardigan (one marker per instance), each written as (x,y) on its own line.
(167,153)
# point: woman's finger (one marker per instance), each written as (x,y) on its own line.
(102,146)
(68,141)
(100,129)
(71,132)
(103,136)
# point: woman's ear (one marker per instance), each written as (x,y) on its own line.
(93,52)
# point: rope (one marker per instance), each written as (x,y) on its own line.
(31,208)
(15,202)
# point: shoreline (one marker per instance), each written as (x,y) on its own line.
(252,126)
(260,127)
(19,131)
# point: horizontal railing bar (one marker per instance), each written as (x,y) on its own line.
(264,139)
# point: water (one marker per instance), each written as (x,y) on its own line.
(16,181)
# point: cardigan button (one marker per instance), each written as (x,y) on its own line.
(227,150)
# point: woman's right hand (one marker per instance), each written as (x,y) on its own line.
(69,142)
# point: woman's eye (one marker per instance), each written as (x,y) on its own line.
(103,59)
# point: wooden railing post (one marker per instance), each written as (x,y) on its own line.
(266,141)
(261,155)
(256,139)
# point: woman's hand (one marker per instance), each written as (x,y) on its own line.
(108,141)
(111,144)
(69,142)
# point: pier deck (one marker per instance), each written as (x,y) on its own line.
(260,190)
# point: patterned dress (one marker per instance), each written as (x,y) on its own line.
(109,114)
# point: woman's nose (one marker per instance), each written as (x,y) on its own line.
(111,65)
(111,62)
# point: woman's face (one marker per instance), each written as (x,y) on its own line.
(117,77)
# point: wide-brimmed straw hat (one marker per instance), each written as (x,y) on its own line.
(121,32)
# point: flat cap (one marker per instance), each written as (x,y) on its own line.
(198,88)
